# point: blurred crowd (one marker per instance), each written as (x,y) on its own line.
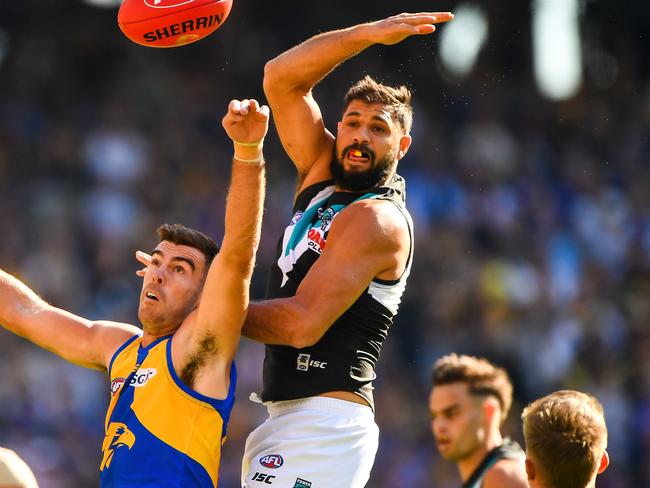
(532,218)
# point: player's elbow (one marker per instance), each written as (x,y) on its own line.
(301,341)
(272,77)
(278,80)
(303,335)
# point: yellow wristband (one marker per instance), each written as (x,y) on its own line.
(248,144)
(250,161)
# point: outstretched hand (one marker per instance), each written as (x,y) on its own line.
(246,121)
(398,27)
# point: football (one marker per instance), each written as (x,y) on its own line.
(171,23)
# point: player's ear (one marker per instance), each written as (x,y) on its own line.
(530,469)
(404,144)
(604,462)
(490,408)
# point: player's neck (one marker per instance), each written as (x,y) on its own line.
(150,334)
(468,465)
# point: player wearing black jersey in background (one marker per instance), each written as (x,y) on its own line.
(469,402)
(342,264)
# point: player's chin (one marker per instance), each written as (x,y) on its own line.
(445,449)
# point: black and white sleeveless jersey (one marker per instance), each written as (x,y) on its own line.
(508,450)
(344,359)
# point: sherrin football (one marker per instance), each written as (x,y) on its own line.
(171,23)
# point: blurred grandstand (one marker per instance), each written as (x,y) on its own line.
(532,207)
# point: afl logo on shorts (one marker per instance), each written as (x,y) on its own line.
(272,461)
(116,384)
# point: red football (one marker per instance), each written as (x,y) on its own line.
(171,23)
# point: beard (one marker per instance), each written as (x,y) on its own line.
(376,174)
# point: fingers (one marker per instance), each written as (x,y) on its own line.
(423,18)
(246,106)
(145,259)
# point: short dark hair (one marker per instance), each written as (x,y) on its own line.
(481,376)
(184,236)
(397,99)
(566,436)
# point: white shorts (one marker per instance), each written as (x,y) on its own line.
(315,442)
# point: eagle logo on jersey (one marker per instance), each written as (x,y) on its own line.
(117,435)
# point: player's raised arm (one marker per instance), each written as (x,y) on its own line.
(290,78)
(74,338)
(224,300)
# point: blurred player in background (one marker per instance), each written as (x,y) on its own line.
(14,472)
(342,264)
(172,383)
(566,440)
(469,402)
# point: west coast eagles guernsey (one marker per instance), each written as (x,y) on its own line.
(159,432)
(344,359)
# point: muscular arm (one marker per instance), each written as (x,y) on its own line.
(290,78)
(224,300)
(337,279)
(78,340)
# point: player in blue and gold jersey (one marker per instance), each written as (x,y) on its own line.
(172,383)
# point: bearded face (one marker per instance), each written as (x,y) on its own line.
(366,172)
(369,142)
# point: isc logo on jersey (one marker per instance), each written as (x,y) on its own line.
(143,376)
(305,362)
(272,461)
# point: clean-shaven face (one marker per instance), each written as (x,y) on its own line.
(172,285)
(457,421)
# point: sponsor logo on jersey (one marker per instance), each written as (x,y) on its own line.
(300,483)
(143,376)
(297,217)
(116,384)
(316,239)
(305,361)
(117,435)
(272,461)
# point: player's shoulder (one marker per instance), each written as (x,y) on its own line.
(375,212)
(506,473)
(374,221)
(384,214)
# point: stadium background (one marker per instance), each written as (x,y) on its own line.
(532,216)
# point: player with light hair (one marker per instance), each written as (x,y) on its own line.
(566,440)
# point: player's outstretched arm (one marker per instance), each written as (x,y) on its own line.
(337,279)
(78,340)
(290,78)
(224,300)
